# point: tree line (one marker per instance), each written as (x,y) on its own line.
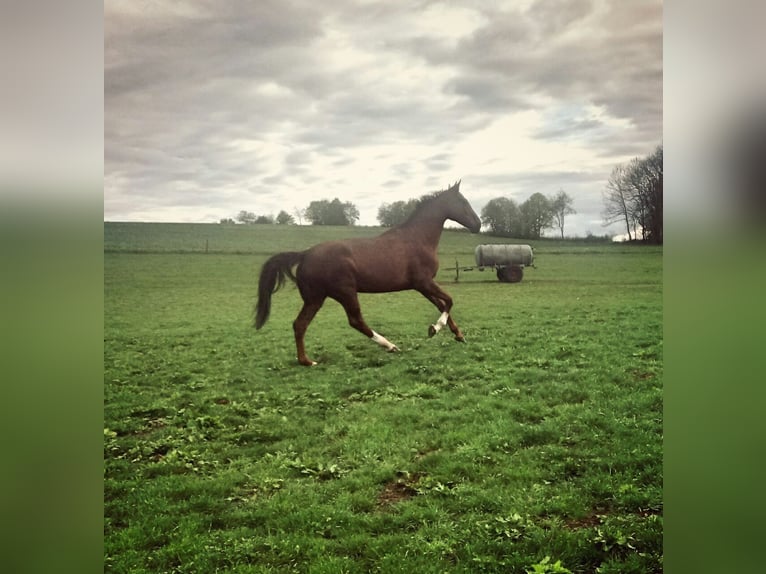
(633,197)
(320,212)
(506,218)
(250,218)
(502,215)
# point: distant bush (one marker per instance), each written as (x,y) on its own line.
(590,238)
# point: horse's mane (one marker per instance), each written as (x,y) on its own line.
(423,202)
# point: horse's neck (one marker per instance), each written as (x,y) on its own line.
(427,229)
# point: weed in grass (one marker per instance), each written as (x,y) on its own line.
(545,566)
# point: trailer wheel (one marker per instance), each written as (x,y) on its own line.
(510,274)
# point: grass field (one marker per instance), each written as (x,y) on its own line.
(534,447)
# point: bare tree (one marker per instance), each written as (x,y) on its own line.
(616,200)
(647,179)
(634,195)
(561,206)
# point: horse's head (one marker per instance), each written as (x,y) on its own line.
(458,209)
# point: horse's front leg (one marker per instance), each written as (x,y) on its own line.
(446,319)
(440,322)
(443,302)
(455,329)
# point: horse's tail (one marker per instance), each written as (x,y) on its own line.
(273,274)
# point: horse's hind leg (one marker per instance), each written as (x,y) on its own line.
(354,313)
(300,325)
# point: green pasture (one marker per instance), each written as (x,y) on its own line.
(536,446)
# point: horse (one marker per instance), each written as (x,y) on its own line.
(401,258)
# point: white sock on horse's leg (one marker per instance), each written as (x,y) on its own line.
(383,342)
(440,322)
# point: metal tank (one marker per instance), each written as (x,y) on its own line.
(509,260)
(502,254)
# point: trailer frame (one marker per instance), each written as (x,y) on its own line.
(507,259)
(512,273)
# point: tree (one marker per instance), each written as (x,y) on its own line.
(616,200)
(502,216)
(561,206)
(396,213)
(324,212)
(634,196)
(284,218)
(351,213)
(226,221)
(655,221)
(264,219)
(645,180)
(299,213)
(536,215)
(246,217)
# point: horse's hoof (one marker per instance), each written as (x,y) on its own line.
(307,362)
(460,338)
(431,331)
(393,349)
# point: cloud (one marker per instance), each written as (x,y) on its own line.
(212,108)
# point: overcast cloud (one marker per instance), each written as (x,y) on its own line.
(215,107)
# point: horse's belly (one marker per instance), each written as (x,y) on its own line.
(379,289)
(387,277)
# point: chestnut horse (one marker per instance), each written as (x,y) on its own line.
(403,257)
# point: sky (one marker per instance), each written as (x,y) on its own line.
(212,107)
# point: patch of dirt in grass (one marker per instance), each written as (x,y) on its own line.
(150,426)
(399,490)
(647,512)
(596,517)
(592,519)
(424,453)
(156,413)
